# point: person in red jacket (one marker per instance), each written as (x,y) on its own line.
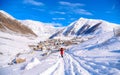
(62,51)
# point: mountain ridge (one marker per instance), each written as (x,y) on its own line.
(78,28)
(84,26)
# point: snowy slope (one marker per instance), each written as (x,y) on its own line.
(10,45)
(77,61)
(85,26)
(98,56)
(39,28)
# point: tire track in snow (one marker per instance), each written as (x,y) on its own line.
(72,67)
(59,70)
(68,66)
(95,68)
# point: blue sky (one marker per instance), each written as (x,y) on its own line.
(62,12)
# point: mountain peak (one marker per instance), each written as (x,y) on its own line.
(6,14)
(82,18)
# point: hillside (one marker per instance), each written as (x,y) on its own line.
(10,25)
(40,28)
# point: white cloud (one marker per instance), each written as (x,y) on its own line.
(57,12)
(112,8)
(58,18)
(82,11)
(33,2)
(74,8)
(38,9)
(71,4)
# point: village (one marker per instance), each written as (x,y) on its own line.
(49,46)
(55,44)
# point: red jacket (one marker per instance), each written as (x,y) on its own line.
(61,51)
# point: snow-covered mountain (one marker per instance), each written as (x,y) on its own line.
(85,26)
(41,29)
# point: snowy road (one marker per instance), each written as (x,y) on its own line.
(73,63)
(73,67)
